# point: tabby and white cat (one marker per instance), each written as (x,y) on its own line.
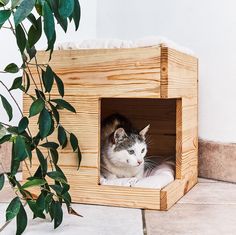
(123,148)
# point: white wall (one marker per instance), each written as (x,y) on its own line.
(206,26)
(9,52)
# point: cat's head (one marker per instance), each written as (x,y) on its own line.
(127,149)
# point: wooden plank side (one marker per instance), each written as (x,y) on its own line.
(186,137)
(189,161)
(174,191)
(179,74)
(107,73)
(84,124)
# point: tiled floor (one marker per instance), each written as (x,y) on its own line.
(209,208)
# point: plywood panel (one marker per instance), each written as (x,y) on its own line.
(179,74)
(187,137)
(108,73)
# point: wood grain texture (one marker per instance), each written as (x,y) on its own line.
(175,190)
(108,73)
(179,74)
(130,81)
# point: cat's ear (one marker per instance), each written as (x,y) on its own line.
(119,135)
(144,131)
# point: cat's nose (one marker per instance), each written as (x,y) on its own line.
(140,162)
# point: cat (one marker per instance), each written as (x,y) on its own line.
(123,148)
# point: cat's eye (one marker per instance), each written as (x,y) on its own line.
(131,151)
(143,150)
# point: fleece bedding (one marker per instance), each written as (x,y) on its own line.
(155,177)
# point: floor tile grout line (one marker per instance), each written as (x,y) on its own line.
(144,222)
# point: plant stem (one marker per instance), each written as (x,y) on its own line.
(4,124)
(13,98)
(40,79)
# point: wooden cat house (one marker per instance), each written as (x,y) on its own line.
(151,85)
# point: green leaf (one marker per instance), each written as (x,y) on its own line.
(32,20)
(62,21)
(21,221)
(43,161)
(20,38)
(4,2)
(35,33)
(5,138)
(74,142)
(67,199)
(41,201)
(76,14)
(31,51)
(50,145)
(13,209)
(7,107)
(40,94)
(55,113)
(60,85)
(66,188)
(15,164)
(2,180)
(15,3)
(54,154)
(25,8)
(79,155)
(62,138)
(20,148)
(49,25)
(35,209)
(64,104)
(27,82)
(58,214)
(48,79)
(23,124)
(17,84)
(36,107)
(33,183)
(57,175)
(45,123)
(4,16)
(66,8)
(12,68)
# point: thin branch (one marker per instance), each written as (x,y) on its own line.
(31,75)
(4,124)
(13,98)
(40,79)
(27,167)
(50,157)
(4,27)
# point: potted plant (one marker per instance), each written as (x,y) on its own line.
(41,15)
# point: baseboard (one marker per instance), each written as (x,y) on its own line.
(217,160)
